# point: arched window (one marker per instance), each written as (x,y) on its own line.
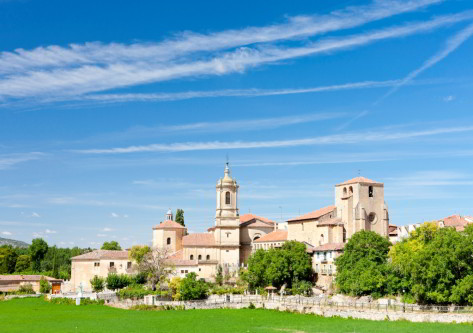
(344,191)
(321,241)
(200,257)
(256,238)
(370,191)
(227,198)
(208,256)
(192,257)
(168,241)
(350,189)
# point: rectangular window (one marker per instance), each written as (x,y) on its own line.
(227,251)
(112,264)
(370,191)
(330,254)
(200,269)
(96,264)
(182,271)
(128,265)
(187,271)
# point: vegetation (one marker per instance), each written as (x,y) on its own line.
(135,292)
(38,250)
(44,286)
(278,267)
(180,217)
(155,266)
(138,252)
(36,315)
(219,275)
(117,281)
(112,245)
(192,289)
(25,289)
(97,283)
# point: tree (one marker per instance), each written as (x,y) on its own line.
(117,281)
(192,289)
(138,252)
(97,283)
(363,267)
(44,286)
(8,259)
(38,250)
(219,275)
(180,217)
(155,265)
(23,263)
(175,286)
(112,245)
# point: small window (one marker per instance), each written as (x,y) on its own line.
(182,271)
(128,265)
(200,269)
(344,191)
(370,191)
(168,241)
(318,255)
(330,254)
(302,226)
(350,189)
(200,257)
(227,198)
(192,257)
(227,251)
(112,264)
(96,264)
(208,257)
(187,271)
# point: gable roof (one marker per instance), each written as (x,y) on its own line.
(250,217)
(199,239)
(275,236)
(313,215)
(31,278)
(169,224)
(356,180)
(328,247)
(102,254)
(332,221)
(456,221)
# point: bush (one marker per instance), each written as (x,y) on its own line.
(302,288)
(97,284)
(72,301)
(192,289)
(139,278)
(175,285)
(116,281)
(44,286)
(25,289)
(136,292)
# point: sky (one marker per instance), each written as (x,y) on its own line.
(112,112)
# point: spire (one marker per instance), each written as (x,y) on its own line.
(169,215)
(227,169)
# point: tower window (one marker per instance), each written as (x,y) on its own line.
(208,257)
(344,191)
(200,257)
(370,191)
(191,257)
(168,241)
(350,189)
(227,198)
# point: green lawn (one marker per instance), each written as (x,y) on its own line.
(36,315)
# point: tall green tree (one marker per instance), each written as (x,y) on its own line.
(180,217)
(38,250)
(112,245)
(8,259)
(363,269)
(23,263)
(138,252)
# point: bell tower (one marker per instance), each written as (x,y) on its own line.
(227,220)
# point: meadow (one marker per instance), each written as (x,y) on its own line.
(37,315)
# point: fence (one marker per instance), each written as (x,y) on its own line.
(325,303)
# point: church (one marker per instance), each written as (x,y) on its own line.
(359,205)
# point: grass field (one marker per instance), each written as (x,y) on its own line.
(36,315)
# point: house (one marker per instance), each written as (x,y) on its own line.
(10,283)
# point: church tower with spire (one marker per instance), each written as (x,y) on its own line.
(227,221)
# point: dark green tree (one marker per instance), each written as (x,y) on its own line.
(38,250)
(180,217)
(112,245)
(97,284)
(192,289)
(363,267)
(117,281)
(23,263)
(8,259)
(219,275)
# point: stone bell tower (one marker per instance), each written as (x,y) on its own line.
(227,220)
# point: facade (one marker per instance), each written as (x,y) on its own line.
(10,283)
(98,263)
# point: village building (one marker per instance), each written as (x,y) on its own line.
(9,283)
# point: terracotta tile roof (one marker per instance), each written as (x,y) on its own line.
(275,236)
(177,259)
(259,224)
(168,225)
(313,215)
(333,221)
(248,217)
(358,180)
(328,247)
(199,239)
(31,278)
(102,254)
(392,230)
(456,221)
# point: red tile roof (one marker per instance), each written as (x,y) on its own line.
(359,180)
(31,278)
(275,236)
(199,239)
(248,217)
(329,247)
(177,259)
(168,225)
(332,221)
(313,215)
(102,254)
(456,221)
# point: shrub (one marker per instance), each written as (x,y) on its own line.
(302,288)
(97,284)
(136,292)
(251,306)
(44,286)
(25,289)
(175,285)
(139,278)
(116,281)
(72,301)
(192,289)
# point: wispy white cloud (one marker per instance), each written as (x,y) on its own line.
(6,233)
(63,82)
(448,98)
(102,235)
(348,138)
(9,160)
(34,214)
(107,229)
(451,45)
(49,231)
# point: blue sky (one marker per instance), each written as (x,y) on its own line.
(111,113)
